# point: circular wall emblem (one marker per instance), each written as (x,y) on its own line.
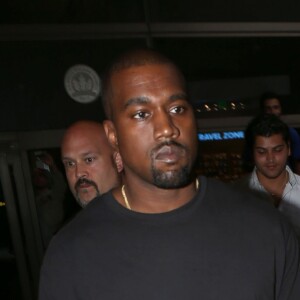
(82,84)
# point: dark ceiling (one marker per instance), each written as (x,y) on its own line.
(116,11)
(209,40)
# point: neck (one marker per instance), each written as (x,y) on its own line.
(150,199)
(274,186)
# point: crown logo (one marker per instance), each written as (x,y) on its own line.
(82,83)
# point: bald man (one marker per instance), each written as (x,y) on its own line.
(89,161)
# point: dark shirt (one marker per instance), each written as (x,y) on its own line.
(220,245)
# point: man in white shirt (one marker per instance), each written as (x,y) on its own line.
(270,103)
(269,139)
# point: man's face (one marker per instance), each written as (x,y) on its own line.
(154,125)
(272,106)
(89,165)
(270,155)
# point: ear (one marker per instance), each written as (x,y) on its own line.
(111,134)
(118,161)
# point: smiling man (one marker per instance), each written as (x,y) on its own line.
(270,103)
(269,139)
(165,234)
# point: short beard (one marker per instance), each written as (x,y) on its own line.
(83,203)
(171,179)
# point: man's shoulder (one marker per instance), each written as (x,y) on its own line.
(242,183)
(236,189)
(246,209)
(83,224)
(229,193)
(239,198)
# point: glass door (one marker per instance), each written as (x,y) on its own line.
(16,240)
(35,203)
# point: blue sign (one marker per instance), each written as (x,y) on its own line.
(221,136)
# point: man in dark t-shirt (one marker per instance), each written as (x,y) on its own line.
(165,234)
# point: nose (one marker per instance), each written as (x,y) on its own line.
(270,156)
(164,126)
(81,171)
(272,110)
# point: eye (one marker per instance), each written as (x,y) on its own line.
(261,151)
(68,164)
(278,149)
(89,160)
(177,110)
(140,115)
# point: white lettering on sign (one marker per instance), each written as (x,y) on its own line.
(219,136)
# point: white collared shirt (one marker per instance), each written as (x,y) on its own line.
(290,202)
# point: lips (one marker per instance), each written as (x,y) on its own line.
(84,185)
(169,153)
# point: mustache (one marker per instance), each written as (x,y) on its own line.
(84,180)
(168,143)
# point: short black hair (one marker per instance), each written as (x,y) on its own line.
(131,58)
(266,96)
(266,125)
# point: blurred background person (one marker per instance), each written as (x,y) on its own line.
(50,189)
(92,166)
(268,138)
(270,103)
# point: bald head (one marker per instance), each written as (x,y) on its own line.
(88,160)
(84,127)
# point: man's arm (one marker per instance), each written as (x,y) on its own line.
(290,285)
(56,275)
